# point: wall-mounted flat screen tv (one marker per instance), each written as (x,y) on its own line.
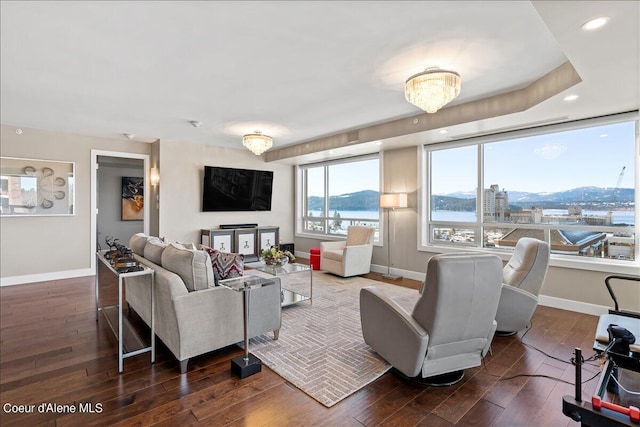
(228,189)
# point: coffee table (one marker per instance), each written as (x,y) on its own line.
(288,296)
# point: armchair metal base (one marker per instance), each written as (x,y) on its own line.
(505,333)
(442,380)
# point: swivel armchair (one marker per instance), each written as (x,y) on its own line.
(351,257)
(522,280)
(452,323)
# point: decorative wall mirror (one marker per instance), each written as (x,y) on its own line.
(30,187)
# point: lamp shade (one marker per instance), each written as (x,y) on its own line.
(154,176)
(393,200)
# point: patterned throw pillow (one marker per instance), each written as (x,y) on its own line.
(225,265)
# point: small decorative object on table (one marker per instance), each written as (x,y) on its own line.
(275,257)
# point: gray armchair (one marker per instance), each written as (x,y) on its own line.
(452,323)
(522,280)
(351,257)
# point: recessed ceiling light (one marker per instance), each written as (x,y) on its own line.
(595,23)
(604,135)
(19,131)
(195,123)
(128,135)
(443,131)
(570,98)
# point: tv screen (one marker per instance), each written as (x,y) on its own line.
(228,189)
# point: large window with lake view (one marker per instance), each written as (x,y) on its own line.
(575,188)
(340,193)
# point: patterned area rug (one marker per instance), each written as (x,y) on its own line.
(321,350)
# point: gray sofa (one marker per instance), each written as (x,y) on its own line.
(192,315)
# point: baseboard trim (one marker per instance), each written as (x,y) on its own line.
(414,275)
(44,277)
(571,305)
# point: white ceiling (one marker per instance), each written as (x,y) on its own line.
(298,70)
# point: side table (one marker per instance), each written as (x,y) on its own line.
(128,344)
(248,364)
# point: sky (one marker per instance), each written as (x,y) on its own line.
(545,163)
(347,178)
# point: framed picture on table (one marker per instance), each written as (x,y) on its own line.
(245,244)
(267,237)
(222,240)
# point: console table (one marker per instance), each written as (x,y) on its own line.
(129,342)
(248,241)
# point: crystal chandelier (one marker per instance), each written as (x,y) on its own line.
(432,89)
(257,142)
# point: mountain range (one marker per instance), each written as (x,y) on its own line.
(587,197)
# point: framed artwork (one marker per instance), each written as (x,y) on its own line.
(246,244)
(132,199)
(30,187)
(222,240)
(267,237)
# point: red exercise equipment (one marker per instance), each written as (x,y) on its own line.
(631,411)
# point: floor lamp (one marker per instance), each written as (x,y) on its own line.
(391,202)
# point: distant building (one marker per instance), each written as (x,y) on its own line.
(532,216)
(495,203)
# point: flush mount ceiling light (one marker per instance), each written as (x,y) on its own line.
(257,143)
(595,23)
(432,89)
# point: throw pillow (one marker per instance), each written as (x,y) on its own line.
(137,243)
(153,250)
(193,267)
(224,265)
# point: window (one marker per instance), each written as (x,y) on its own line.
(571,186)
(338,194)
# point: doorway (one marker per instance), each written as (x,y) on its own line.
(111,213)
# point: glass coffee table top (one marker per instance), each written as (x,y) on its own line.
(288,296)
(279,270)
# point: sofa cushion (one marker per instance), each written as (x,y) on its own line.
(153,250)
(225,265)
(189,246)
(137,243)
(193,267)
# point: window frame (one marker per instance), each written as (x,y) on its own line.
(425,224)
(301,200)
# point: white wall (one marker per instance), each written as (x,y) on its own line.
(42,248)
(181,176)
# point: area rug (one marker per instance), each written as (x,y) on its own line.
(321,350)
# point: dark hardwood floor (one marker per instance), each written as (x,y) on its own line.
(54,351)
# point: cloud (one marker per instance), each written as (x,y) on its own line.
(550,151)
